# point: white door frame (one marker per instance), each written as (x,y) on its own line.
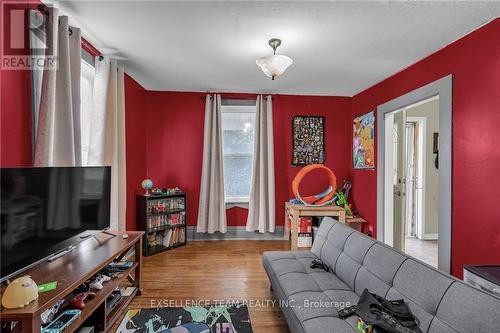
(442,88)
(421,153)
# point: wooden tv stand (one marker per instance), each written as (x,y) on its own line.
(70,271)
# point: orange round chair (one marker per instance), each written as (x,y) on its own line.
(320,199)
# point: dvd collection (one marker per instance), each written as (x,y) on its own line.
(165,205)
(159,221)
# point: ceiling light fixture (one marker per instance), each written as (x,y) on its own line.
(276,64)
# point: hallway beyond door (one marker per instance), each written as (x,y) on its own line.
(423,250)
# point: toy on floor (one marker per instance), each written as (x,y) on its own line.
(321,199)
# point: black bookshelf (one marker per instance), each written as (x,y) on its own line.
(163,220)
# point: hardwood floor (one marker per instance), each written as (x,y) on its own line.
(213,271)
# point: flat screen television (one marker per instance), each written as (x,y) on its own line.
(47,210)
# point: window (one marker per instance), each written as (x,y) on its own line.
(86,90)
(238,124)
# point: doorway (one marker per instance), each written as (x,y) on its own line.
(423,181)
(414,178)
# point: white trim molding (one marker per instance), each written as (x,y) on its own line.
(429,237)
(444,89)
(235,233)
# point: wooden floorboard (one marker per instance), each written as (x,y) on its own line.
(212,271)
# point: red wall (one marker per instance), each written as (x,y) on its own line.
(175,144)
(15,107)
(474,62)
(15,117)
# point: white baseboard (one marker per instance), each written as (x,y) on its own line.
(234,233)
(429,237)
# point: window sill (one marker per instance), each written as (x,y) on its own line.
(237,202)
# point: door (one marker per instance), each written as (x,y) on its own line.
(399,179)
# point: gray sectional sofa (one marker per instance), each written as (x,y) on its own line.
(310,298)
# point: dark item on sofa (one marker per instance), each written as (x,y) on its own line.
(389,316)
(319,264)
(347,312)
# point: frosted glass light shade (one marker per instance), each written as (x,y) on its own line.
(274,65)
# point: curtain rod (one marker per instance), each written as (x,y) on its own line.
(42,8)
(230,96)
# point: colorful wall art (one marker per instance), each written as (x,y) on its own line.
(363,141)
(308,140)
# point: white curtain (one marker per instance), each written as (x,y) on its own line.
(212,210)
(261,210)
(58,137)
(107,133)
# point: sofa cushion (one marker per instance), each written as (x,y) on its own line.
(422,284)
(330,248)
(327,280)
(357,246)
(290,262)
(286,266)
(341,298)
(275,255)
(320,236)
(328,325)
(467,309)
(438,326)
(346,269)
(376,274)
(311,304)
(293,283)
(366,279)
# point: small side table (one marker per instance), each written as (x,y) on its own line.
(297,211)
(356,223)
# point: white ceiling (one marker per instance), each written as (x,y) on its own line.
(338,48)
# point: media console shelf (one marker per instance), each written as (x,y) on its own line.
(71,270)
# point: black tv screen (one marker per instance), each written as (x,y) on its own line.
(46,210)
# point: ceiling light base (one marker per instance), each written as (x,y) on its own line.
(274,43)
